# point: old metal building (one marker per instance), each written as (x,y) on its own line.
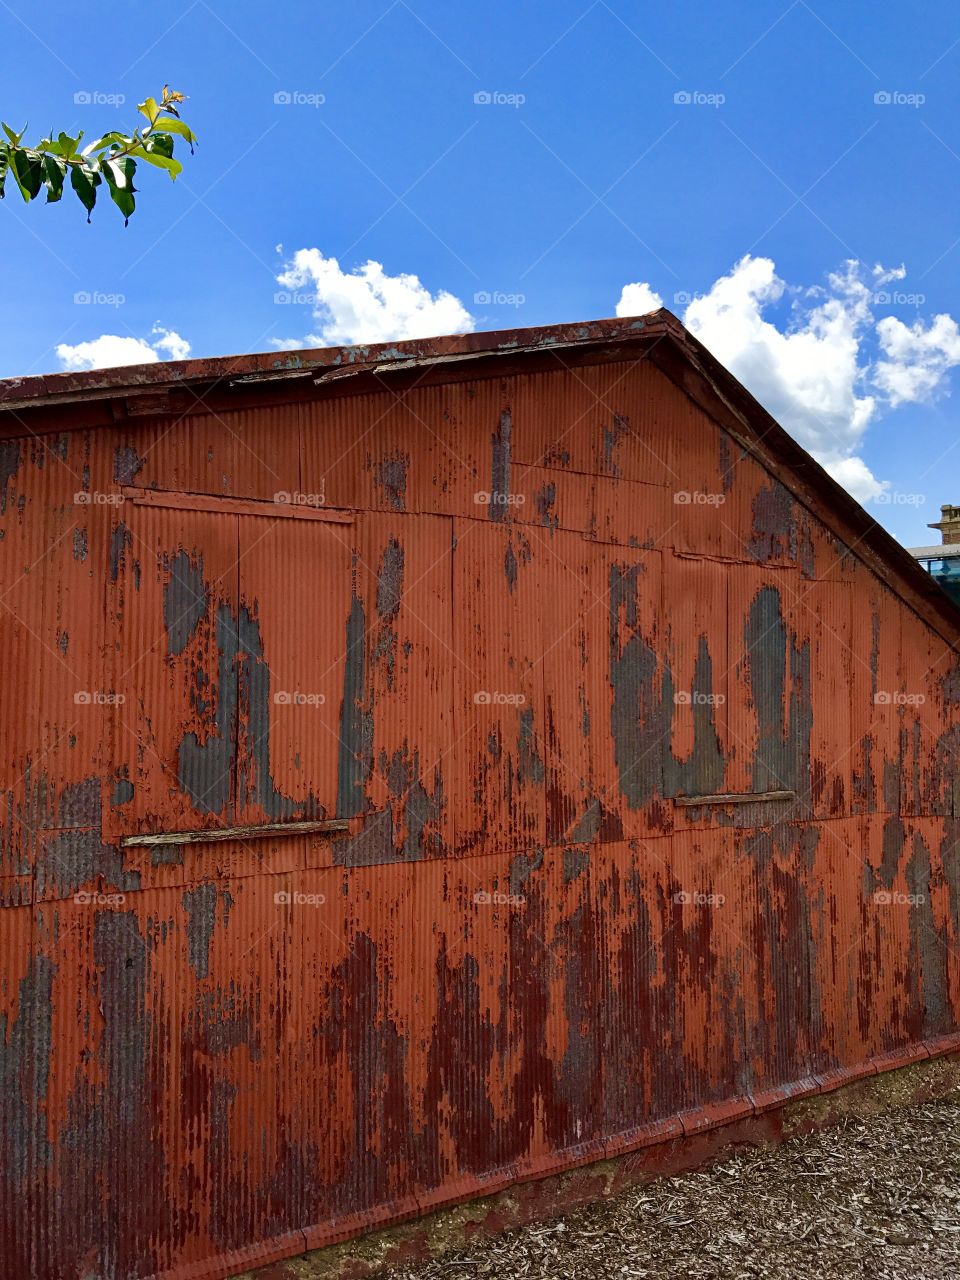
(432,766)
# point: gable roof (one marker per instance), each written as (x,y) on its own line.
(29,405)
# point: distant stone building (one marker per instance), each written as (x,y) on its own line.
(943,562)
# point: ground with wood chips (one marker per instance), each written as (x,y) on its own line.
(877,1198)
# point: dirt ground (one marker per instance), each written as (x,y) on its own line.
(878,1198)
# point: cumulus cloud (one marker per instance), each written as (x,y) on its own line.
(637,300)
(816,368)
(110,350)
(169,341)
(808,375)
(366,304)
(916,358)
(856,477)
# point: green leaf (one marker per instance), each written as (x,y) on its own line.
(68,145)
(161,142)
(85,182)
(111,158)
(149,109)
(173,167)
(177,126)
(113,138)
(54,172)
(14,137)
(119,176)
(119,173)
(28,172)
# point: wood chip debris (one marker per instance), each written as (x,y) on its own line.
(873,1199)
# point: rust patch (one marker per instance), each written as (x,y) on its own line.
(636,715)
(501,442)
(127,464)
(391,479)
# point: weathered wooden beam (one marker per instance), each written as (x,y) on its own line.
(283,507)
(735,797)
(237,833)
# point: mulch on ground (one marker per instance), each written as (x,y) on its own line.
(876,1198)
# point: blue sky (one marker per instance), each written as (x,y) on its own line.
(582,176)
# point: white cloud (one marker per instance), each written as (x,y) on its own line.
(177,348)
(110,350)
(367,305)
(816,368)
(808,374)
(105,352)
(637,300)
(883,275)
(917,357)
(857,478)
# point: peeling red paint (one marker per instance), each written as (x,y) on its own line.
(546,584)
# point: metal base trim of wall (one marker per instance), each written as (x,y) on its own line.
(687,1140)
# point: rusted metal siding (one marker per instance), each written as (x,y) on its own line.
(521,615)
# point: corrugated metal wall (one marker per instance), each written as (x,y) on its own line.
(551,605)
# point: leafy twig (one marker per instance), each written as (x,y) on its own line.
(113,157)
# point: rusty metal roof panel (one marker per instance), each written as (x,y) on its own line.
(253,452)
(575,619)
(819,618)
(18,391)
(698,740)
(657,339)
(398,451)
(498,685)
(778,898)
(398,723)
(843,1036)
(25,1014)
(172,590)
(296,679)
